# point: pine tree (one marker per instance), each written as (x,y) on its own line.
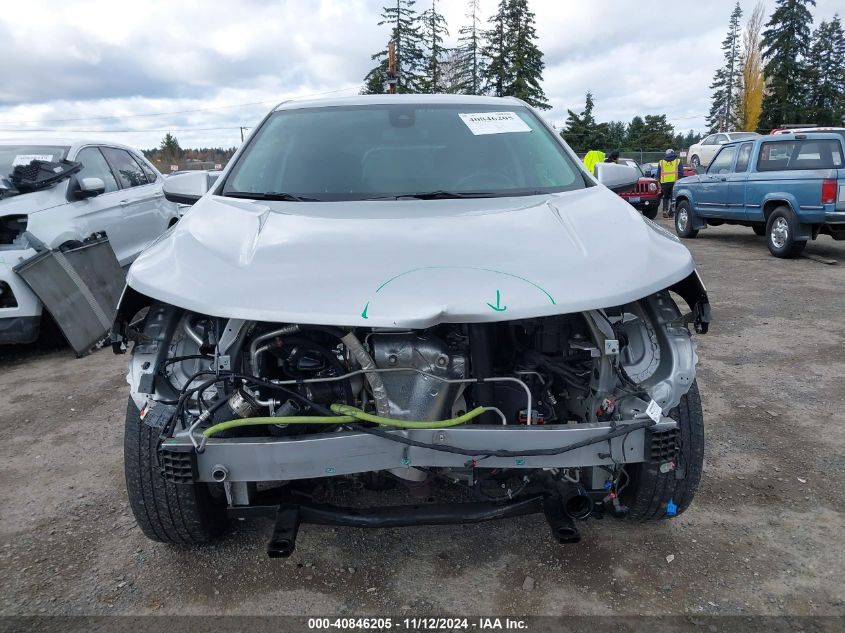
(452,75)
(582,133)
(657,133)
(692,137)
(826,99)
(615,134)
(171,151)
(786,44)
(726,80)
(433,28)
(527,58)
(496,52)
(405,33)
(470,63)
(749,99)
(634,135)
(514,62)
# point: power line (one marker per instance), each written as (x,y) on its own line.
(64,130)
(147,114)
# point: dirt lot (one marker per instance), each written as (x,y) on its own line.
(764,535)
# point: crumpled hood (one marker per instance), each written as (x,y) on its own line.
(410,263)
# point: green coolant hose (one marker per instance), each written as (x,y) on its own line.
(345,415)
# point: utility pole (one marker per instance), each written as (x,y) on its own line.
(242,133)
(391,68)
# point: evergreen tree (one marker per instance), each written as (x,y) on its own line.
(452,75)
(826,98)
(692,137)
(657,133)
(171,151)
(615,134)
(470,64)
(582,132)
(726,80)
(515,63)
(433,28)
(527,58)
(786,44)
(496,53)
(410,62)
(633,138)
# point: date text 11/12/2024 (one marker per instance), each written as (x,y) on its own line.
(417,624)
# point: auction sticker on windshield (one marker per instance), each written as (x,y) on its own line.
(493,122)
(26,159)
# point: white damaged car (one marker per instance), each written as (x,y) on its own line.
(56,193)
(427,293)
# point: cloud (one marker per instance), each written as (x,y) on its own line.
(100,58)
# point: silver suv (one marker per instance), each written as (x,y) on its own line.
(422,292)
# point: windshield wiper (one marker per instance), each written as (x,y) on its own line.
(269,195)
(441,194)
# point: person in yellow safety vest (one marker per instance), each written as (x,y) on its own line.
(591,158)
(669,170)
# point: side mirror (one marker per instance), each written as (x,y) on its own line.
(187,188)
(618,178)
(90,187)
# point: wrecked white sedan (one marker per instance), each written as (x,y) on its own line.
(417,292)
(56,193)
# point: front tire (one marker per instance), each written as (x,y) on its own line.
(696,162)
(650,491)
(684,220)
(165,512)
(781,229)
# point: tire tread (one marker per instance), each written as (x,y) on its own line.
(654,489)
(165,512)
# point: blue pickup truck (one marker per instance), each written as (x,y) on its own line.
(788,187)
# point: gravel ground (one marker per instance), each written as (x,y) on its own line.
(764,535)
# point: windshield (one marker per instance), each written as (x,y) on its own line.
(13,155)
(631,163)
(389,151)
(738,136)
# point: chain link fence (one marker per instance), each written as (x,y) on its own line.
(645,156)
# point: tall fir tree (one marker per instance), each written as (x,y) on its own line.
(433,28)
(410,61)
(615,135)
(786,44)
(470,62)
(527,58)
(657,134)
(826,68)
(726,80)
(514,61)
(496,52)
(582,133)
(634,134)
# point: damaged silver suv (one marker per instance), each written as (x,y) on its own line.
(427,293)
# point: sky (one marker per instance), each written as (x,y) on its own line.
(202,69)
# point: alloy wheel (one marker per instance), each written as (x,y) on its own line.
(780,232)
(683,218)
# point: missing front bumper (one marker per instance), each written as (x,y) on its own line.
(345,453)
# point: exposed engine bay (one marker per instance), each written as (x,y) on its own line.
(542,414)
